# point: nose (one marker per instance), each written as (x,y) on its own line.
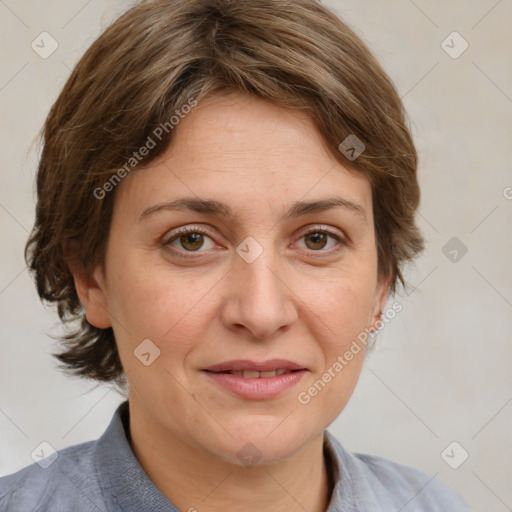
(258,298)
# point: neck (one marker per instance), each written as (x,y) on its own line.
(194,479)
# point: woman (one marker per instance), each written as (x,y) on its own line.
(226,198)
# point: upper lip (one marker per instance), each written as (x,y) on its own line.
(261,366)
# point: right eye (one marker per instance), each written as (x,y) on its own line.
(189,239)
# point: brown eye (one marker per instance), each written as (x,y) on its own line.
(192,241)
(316,240)
(322,241)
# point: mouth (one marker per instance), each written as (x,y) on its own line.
(251,369)
(255,380)
(253,374)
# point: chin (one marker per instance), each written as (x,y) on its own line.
(261,440)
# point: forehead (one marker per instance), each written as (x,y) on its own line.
(247,152)
(233,127)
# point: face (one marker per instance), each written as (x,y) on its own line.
(242,276)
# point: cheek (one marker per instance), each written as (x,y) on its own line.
(344,308)
(150,301)
(343,298)
(342,315)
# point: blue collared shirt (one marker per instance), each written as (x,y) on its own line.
(105,476)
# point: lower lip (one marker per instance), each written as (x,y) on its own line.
(259,388)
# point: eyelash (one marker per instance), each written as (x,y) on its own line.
(341,243)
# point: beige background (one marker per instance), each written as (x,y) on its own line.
(441,371)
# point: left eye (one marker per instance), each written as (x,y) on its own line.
(318,239)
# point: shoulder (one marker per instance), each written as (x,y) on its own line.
(68,482)
(387,485)
(419,490)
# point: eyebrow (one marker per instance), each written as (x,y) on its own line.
(212,207)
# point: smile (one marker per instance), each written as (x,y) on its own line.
(253,374)
(255,385)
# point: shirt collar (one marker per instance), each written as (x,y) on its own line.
(121,474)
(124,481)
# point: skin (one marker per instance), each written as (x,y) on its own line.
(300,300)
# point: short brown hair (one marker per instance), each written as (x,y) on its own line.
(139,73)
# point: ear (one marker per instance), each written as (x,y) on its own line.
(92,293)
(379,301)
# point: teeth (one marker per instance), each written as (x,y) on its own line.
(252,374)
